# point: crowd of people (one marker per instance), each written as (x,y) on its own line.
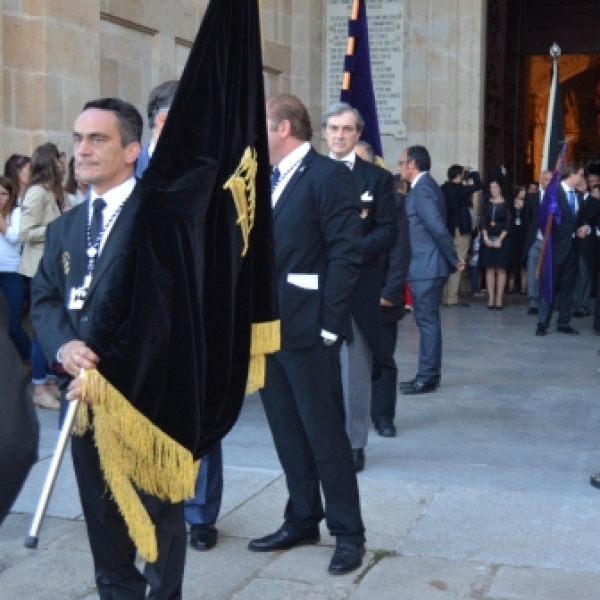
(504,242)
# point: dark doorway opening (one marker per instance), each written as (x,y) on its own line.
(519,36)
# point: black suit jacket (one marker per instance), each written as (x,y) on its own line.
(317,231)
(395,266)
(457,210)
(380,231)
(562,235)
(63,267)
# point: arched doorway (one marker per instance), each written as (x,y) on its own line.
(519,36)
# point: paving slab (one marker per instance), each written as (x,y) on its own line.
(509,528)
(221,572)
(242,483)
(405,578)
(543,584)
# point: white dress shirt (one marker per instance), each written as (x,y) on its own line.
(287,167)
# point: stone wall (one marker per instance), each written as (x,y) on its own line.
(57,54)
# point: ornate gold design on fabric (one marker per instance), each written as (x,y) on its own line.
(242,185)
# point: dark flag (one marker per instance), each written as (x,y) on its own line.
(554,135)
(357,86)
(549,213)
(553,158)
(193,295)
(19,428)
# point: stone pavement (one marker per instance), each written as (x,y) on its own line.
(483,495)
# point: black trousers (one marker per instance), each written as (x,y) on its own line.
(385,388)
(113,551)
(564,278)
(304,406)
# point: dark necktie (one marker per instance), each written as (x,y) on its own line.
(275,178)
(572,202)
(97,219)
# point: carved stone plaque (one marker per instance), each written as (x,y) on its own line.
(386,40)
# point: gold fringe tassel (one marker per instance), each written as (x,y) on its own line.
(266,339)
(135,453)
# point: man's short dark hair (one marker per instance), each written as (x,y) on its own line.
(160,98)
(454,171)
(568,170)
(421,157)
(286,107)
(129,120)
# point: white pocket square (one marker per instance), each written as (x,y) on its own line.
(366,197)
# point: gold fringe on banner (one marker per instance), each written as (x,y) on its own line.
(266,339)
(135,453)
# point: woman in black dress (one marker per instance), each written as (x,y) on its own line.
(495,254)
(518,265)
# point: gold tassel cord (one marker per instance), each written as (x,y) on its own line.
(266,339)
(135,453)
(242,184)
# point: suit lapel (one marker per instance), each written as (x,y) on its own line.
(359,174)
(74,256)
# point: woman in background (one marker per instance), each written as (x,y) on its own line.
(18,169)
(43,202)
(11,281)
(495,254)
(518,265)
(75,189)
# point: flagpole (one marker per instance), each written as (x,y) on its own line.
(555,53)
(31,541)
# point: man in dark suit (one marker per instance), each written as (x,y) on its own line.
(433,259)
(67,290)
(159,103)
(395,271)
(564,253)
(458,218)
(201,511)
(342,126)
(533,242)
(317,234)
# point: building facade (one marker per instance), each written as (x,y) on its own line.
(57,54)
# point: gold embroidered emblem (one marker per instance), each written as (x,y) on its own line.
(66,260)
(242,185)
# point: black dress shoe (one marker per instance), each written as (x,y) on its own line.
(284,539)
(532,311)
(203,536)
(419,387)
(595,480)
(581,313)
(541,329)
(567,329)
(358,456)
(347,557)
(386,429)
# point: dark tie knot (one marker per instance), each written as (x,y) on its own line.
(99,204)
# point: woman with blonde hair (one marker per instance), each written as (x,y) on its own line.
(43,202)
